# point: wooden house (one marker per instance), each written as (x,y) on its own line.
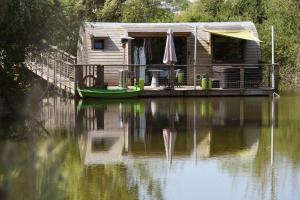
(216,43)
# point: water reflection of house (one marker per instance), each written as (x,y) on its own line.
(226,130)
(100,147)
(234,128)
(222,144)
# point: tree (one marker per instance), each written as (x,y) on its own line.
(284,15)
(145,11)
(111,11)
(23,24)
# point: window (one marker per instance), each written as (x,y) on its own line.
(226,49)
(98,43)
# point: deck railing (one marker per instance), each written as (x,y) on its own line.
(219,76)
(54,66)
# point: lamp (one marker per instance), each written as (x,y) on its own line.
(124,41)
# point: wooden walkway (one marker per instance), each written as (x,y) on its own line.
(54,66)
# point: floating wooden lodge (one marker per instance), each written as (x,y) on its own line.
(111,51)
(226,52)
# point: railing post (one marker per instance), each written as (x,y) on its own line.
(48,63)
(78,76)
(54,71)
(276,78)
(70,82)
(42,65)
(60,71)
(65,76)
(137,74)
(242,78)
(100,76)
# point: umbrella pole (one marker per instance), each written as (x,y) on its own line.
(172,77)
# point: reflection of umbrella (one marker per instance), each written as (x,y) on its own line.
(153,106)
(170,53)
(169,141)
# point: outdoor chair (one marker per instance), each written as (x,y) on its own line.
(164,78)
(179,78)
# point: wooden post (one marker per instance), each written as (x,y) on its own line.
(66,66)
(100,76)
(59,71)
(276,78)
(137,74)
(42,65)
(70,82)
(242,79)
(78,76)
(54,72)
(48,68)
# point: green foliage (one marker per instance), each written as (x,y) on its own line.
(23,24)
(111,11)
(67,18)
(283,15)
(145,11)
(182,4)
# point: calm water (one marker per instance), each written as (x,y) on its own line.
(202,148)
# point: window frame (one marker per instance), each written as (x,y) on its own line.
(98,39)
(233,61)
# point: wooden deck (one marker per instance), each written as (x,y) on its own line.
(189,91)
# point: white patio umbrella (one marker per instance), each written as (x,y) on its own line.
(170,53)
(170,57)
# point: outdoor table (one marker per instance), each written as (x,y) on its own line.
(155,74)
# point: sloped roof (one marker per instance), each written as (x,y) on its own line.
(246,25)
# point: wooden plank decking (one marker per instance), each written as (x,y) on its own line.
(189,91)
(58,80)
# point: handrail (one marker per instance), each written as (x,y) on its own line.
(61,51)
(55,66)
(164,65)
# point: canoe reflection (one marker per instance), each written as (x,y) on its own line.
(116,132)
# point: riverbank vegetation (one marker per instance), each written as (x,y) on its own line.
(283,15)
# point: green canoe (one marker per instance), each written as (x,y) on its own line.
(109,93)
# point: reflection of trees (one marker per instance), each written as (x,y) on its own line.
(256,168)
(141,174)
(54,171)
(254,163)
(286,147)
(50,168)
(287,137)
